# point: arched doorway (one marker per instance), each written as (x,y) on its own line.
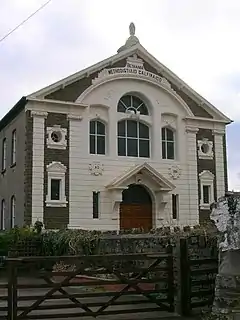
(136,208)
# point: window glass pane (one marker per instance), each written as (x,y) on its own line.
(136,102)
(100,128)
(126,101)
(132,147)
(175,200)
(163,134)
(121,128)
(170,136)
(132,128)
(143,109)
(92,144)
(95,205)
(92,126)
(206,198)
(121,107)
(170,150)
(100,145)
(144,148)
(55,189)
(164,150)
(121,146)
(143,131)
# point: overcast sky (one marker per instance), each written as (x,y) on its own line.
(197,39)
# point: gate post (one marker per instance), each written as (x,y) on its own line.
(170,267)
(12,290)
(185,278)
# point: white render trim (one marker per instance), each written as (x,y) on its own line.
(39,113)
(219,164)
(164,184)
(209,153)
(38,165)
(135,77)
(145,55)
(59,102)
(62,144)
(202,119)
(56,170)
(206,179)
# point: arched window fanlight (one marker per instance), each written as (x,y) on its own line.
(132,104)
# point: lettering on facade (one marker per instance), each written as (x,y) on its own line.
(134,66)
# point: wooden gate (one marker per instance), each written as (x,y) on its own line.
(107,286)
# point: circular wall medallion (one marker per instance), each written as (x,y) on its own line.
(174,172)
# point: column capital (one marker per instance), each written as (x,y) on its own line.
(74,117)
(218,132)
(41,114)
(191,129)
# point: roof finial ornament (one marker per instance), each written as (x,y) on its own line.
(132,29)
(132,40)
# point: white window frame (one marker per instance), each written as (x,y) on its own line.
(96,135)
(4,154)
(167,141)
(13,147)
(62,144)
(206,179)
(3,214)
(56,170)
(13,211)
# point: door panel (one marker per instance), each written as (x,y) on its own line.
(136,216)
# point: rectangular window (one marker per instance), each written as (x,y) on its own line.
(13,150)
(55,189)
(175,206)
(96,204)
(3,206)
(206,194)
(4,154)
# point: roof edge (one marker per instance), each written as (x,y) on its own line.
(13,112)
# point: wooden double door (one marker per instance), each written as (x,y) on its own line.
(136,208)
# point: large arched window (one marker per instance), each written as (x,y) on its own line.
(133,139)
(130,103)
(168,143)
(97,137)
(13,211)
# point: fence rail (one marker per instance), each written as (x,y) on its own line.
(95,286)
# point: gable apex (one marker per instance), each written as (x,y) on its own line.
(161,70)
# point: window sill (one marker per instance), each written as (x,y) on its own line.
(57,146)
(56,203)
(13,165)
(205,206)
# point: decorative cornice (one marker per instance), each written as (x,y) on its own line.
(41,114)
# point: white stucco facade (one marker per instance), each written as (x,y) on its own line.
(109,174)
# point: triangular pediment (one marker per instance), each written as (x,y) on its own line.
(121,181)
(70,88)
